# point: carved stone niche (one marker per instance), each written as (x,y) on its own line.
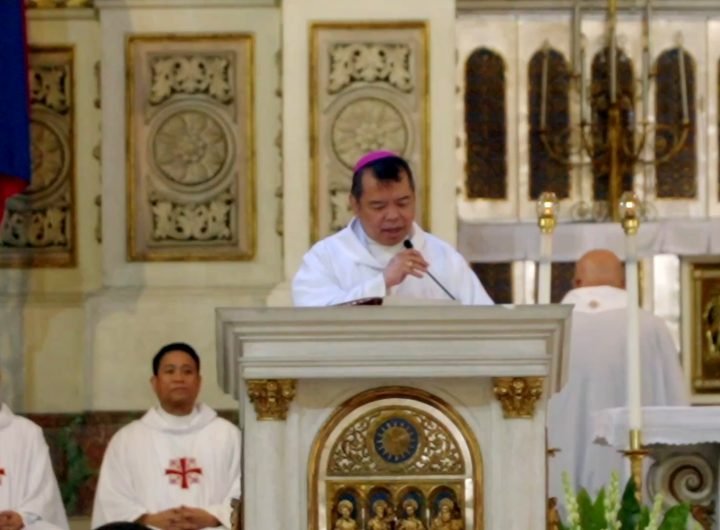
(39,225)
(190,133)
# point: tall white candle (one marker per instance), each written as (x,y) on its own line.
(543,86)
(612,49)
(544,268)
(613,65)
(646,63)
(583,86)
(634,373)
(683,84)
(576,37)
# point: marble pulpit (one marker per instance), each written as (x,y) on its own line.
(377,418)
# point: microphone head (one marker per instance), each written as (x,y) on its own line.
(407,243)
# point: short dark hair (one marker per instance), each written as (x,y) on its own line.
(385,170)
(174,346)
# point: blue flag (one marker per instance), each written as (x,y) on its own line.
(14,102)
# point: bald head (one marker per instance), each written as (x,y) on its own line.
(599,267)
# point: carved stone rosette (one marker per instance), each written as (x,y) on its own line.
(368,91)
(681,474)
(271,397)
(38,230)
(190,136)
(518,395)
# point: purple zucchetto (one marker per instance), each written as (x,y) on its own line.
(372,156)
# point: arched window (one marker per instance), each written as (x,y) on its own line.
(600,105)
(497,280)
(485,127)
(676,177)
(548,92)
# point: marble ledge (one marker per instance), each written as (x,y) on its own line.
(132,293)
(632,6)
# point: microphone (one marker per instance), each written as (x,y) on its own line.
(408,244)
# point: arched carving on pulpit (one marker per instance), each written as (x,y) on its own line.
(395,458)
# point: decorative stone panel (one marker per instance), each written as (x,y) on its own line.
(191,189)
(38,230)
(369,90)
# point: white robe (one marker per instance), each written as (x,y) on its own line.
(597,380)
(141,469)
(27,483)
(341,268)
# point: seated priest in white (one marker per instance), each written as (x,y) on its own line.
(177,467)
(383,251)
(597,375)
(29,494)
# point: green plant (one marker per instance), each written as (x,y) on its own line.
(612,511)
(78,470)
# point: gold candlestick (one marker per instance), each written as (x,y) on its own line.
(547,207)
(629,210)
(636,454)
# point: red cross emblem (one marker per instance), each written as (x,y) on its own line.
(2,474)
(184,471)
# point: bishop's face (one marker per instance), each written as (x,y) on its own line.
(177,383)
(386,209)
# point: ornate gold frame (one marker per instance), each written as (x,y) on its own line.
(702,283)
(250,219)
(317,27)
(58,4)
(387,392)
(11,258)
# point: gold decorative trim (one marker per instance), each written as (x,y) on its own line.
(58,4)
(397,392)
(271,397)
(701,328)
(518,395)
(315,28)
(553,515)
(249,220)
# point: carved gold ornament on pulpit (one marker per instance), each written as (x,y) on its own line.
(395,458)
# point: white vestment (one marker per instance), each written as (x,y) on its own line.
(597,380)
(27,482)
(162,461)
(347,266)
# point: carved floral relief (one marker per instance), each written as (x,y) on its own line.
(191,169)
(38,229)
(368,91)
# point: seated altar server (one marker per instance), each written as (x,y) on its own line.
(597,376)
(178,467)
(29,494)
(383,251)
